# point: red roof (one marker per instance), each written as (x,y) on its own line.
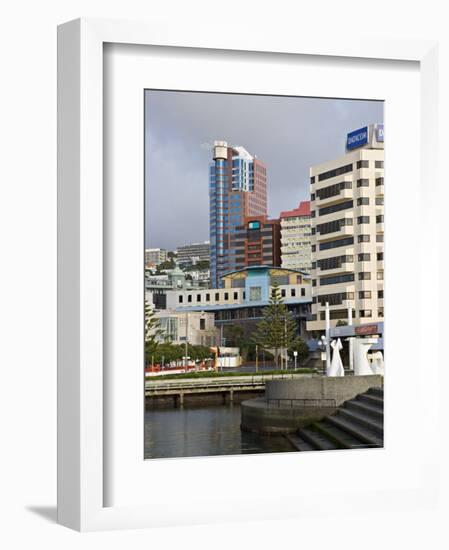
(302,210)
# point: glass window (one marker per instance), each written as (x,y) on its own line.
(180,299)
(255,293)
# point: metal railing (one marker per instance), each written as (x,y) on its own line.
(290,403)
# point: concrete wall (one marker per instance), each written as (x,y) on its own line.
(264,416)
(322,387)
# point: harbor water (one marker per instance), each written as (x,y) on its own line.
(204,431)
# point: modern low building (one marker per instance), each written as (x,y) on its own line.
(347,213)
(155,256)
(243,295)
(295,238)
(237,189)
(197,327)
(193,253)
(157,286)
(257,242)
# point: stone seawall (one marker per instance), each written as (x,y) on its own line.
(291,404)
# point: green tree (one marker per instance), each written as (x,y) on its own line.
(277,328)
(341,323)
(301,347)
(152,332)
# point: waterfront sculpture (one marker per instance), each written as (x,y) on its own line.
(336,366)
(377,364)
(361,364)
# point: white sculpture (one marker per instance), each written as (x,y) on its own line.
(361,363)
(377,364)
(336,366)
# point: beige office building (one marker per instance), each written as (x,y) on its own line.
(347,209)
(295,238)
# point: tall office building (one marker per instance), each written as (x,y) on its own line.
(237,189)
(347,208)
(257,242)
(295,238)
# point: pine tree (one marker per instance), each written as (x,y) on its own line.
(277,328)
(152,332)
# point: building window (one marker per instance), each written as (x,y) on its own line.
(202,324)
(255,293)
(379,181)
(380,238)
(336,244)
(336,208)
(380,312)
(313,247)
(333,280)
(217,296)
(379,201)
(226,295)
(363,201)
(207,297)
(198,297)
(363,182)
(364,294)
(366,313)
(362,164)
(180,299)
(380,275)
(312,196)
(336,172)
(293,292)
(380,294)
(380,256)
(378,164)
(364,276)
(363,239)
(312,179)
(303,291)
(362,219)
(380,218)
(236,295)
(364,257)
(283,292)
(189,298)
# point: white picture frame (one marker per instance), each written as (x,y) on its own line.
(81,404)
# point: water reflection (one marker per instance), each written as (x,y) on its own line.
(204,431)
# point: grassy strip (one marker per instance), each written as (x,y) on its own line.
(214,374)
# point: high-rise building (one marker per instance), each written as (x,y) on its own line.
(193,253)
(257,242)
(155,256)
(295,238)
(347,209)
(237,188)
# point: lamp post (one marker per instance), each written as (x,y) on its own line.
(328,339)
(351,340)
(187,341)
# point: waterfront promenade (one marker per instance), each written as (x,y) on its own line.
(224,386)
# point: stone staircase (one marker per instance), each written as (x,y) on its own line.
(358,423)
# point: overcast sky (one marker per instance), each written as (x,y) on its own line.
(288,134)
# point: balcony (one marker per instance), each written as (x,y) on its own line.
(347,267)
(343,194)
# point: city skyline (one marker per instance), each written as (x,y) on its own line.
(287,133)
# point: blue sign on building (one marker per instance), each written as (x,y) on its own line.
(380,133)
(357,138)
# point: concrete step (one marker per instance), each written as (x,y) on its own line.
(317,439)
(299,443)
(378,392)
(372,399)
(339,437)
(374,424)
(365,408)
(362,433)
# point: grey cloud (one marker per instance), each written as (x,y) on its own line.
(288,134)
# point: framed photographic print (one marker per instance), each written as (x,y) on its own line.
(231,275)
